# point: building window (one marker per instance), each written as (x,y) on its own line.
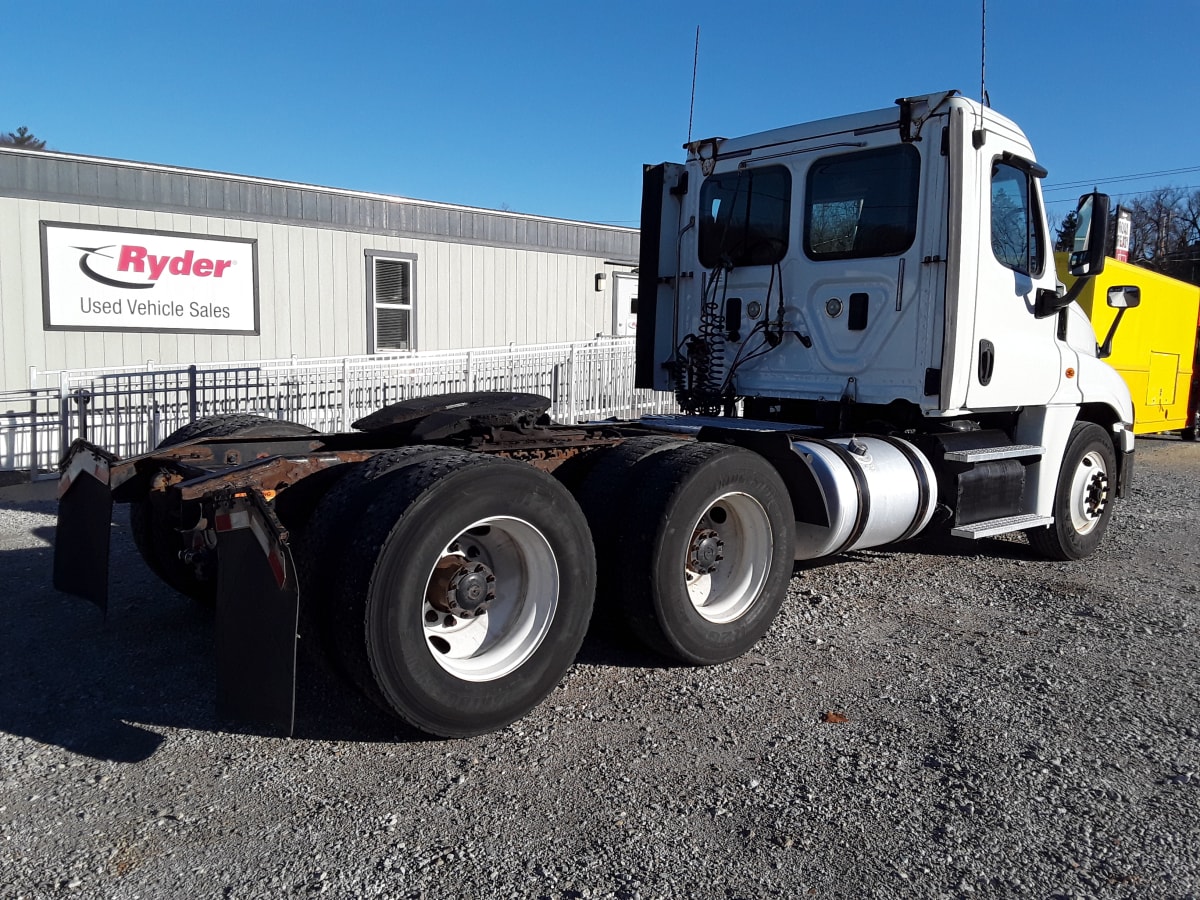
(390,286)
(864,204)
(1016,238)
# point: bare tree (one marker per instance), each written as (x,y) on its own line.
(1164,232)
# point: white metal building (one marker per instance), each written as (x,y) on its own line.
(111,263)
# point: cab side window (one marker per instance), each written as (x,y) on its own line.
(863,204)
(744,217)
(1016,237)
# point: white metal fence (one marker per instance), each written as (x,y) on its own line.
(130,411)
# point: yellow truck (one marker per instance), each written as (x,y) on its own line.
(1155,348)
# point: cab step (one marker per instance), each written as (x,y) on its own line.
(1004,525)
(987,454)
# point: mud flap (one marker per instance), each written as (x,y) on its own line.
(81,538)
(258,603)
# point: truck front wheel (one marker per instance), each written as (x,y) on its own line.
(707,553)
(465,593)
(1083,500)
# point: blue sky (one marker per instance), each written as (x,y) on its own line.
(551,108)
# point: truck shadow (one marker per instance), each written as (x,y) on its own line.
(109,687)
(609,643)
(1010,548)
(67,680)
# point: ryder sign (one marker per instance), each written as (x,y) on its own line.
(105,279)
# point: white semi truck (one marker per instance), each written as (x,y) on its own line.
(861,321)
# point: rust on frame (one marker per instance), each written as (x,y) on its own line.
(272,474)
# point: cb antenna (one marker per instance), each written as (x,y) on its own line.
(695,63)
(983,95)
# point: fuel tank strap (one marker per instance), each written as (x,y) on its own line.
(862,489)
(924,488)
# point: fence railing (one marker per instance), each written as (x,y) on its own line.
(129,411)
(31,429)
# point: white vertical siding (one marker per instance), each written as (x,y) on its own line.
(312,292)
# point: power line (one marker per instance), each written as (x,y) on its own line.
(1070,201)
(1075,185)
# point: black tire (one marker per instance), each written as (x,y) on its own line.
(235,425)
(158,540)
(1193,426)
(317,548)
(571,472)
(1083,498)
(436,529)
(607,481)
(697,506)
(604,494)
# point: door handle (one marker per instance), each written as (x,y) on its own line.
(987,361)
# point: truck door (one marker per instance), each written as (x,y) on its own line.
(1016,358)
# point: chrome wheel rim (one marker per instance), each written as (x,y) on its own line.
(490,599)
(1089,492)
(728,557)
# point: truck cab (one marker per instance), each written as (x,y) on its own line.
(889,255)
(889,270)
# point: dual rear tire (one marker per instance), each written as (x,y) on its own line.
(695,546)
(465,593)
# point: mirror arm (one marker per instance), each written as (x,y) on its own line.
(1104,351)
(1048,302)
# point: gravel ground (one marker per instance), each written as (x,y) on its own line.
(951,720)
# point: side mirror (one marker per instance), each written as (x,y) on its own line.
(1091,233)
(1120,298)
(1126,296)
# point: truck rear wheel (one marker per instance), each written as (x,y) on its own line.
(331,527)
(603,495)
(466,592)
(707,556)
(1083,499)
(158,540)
